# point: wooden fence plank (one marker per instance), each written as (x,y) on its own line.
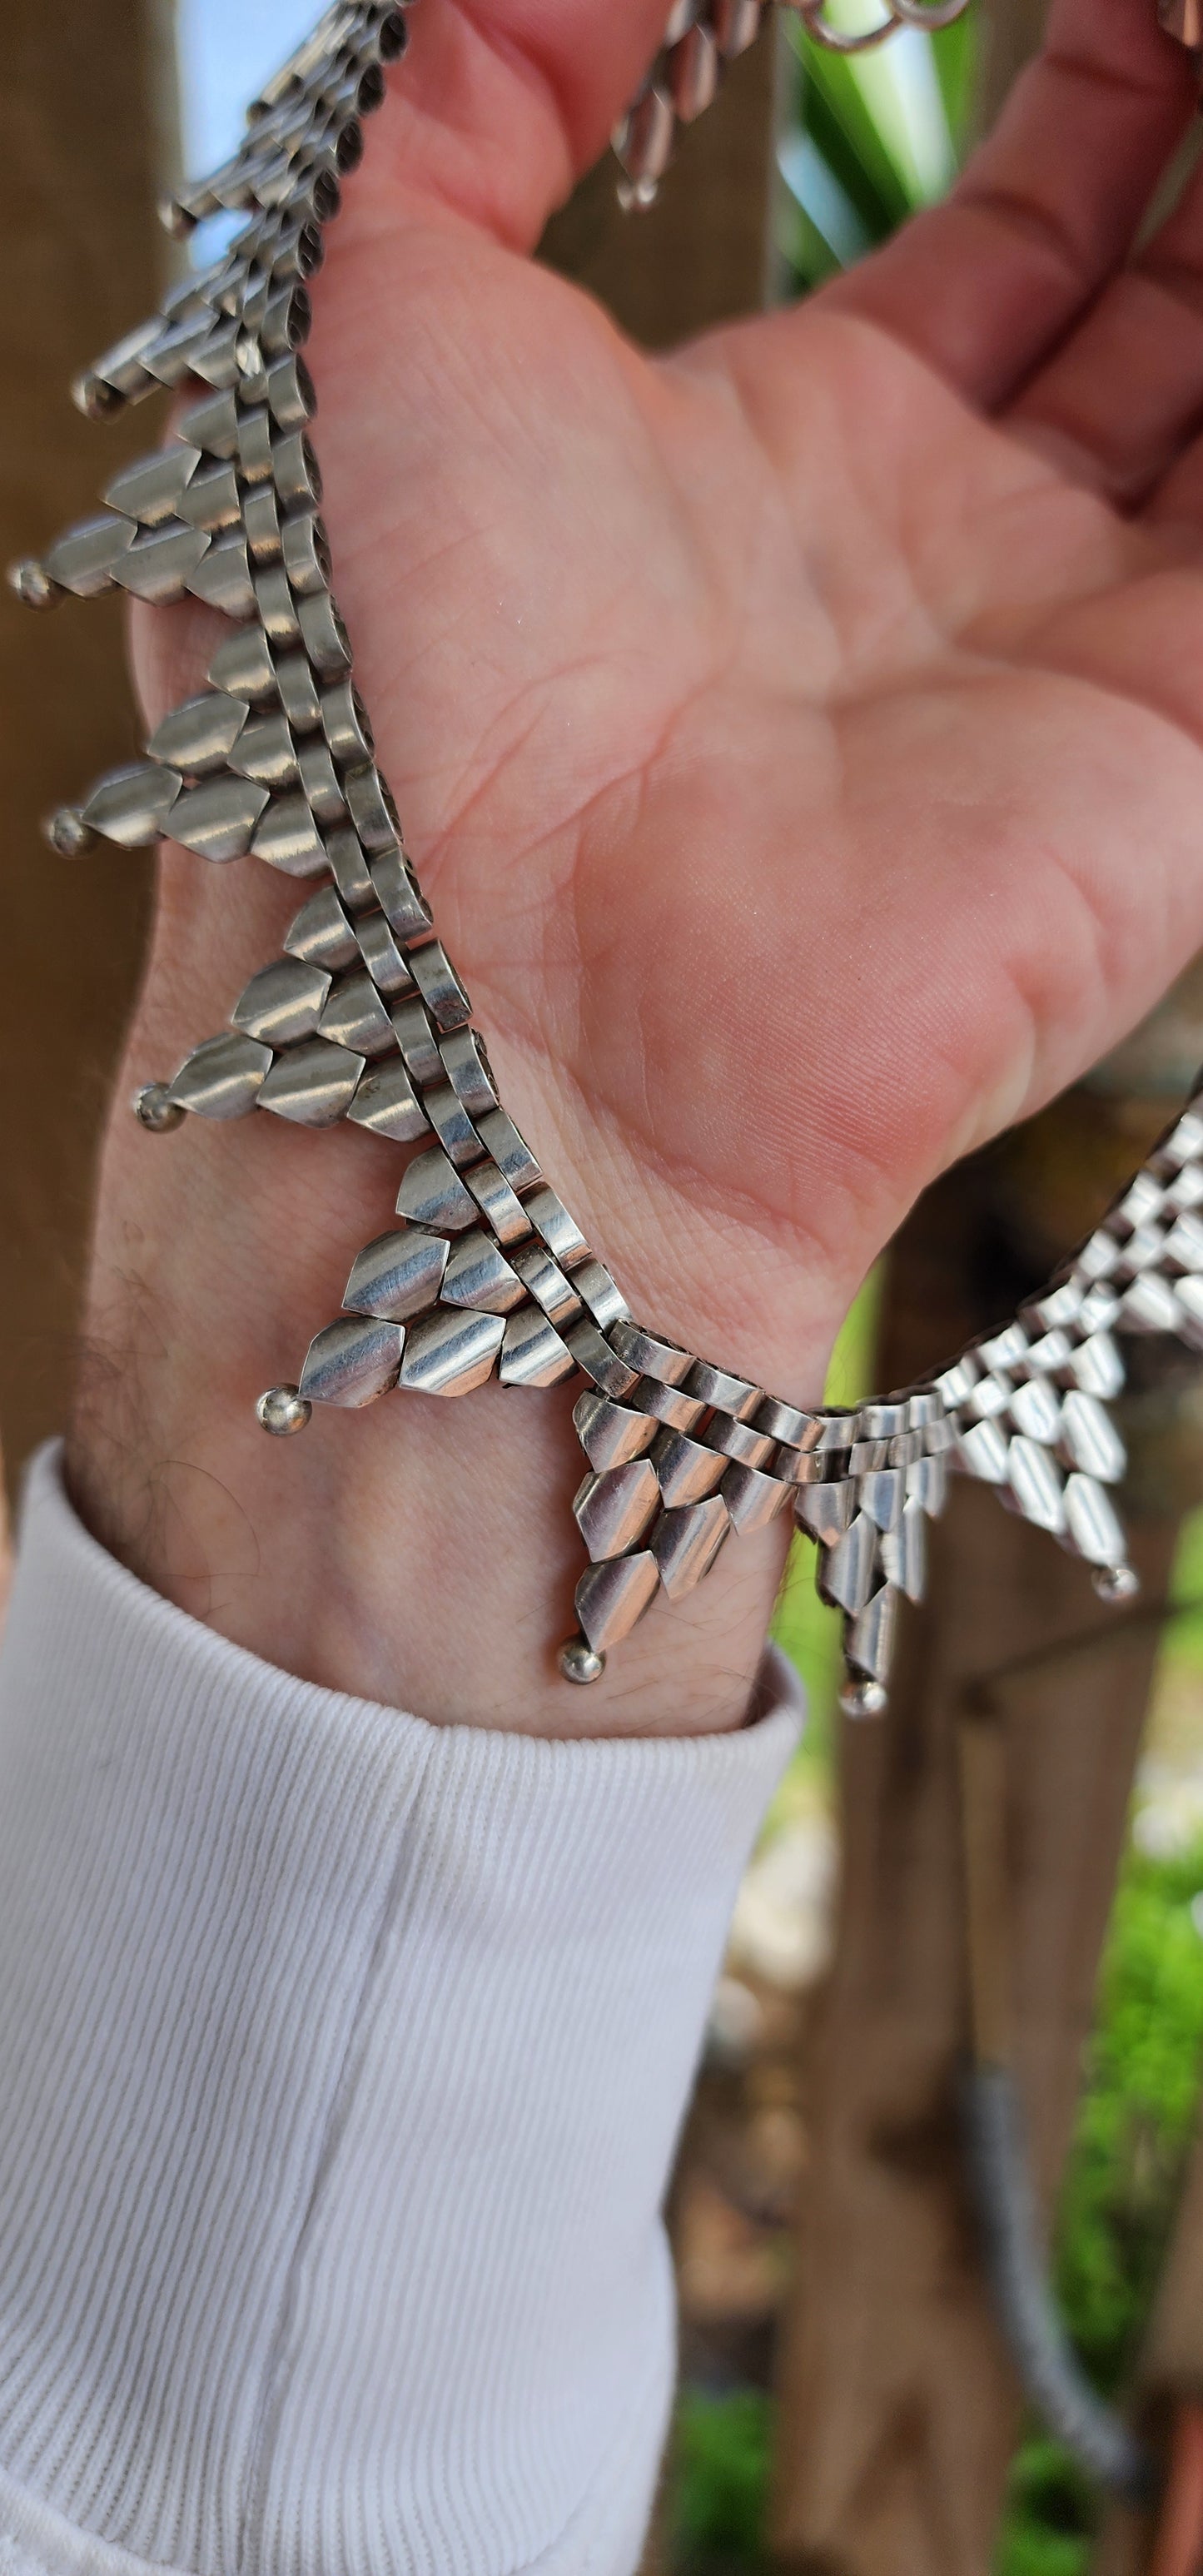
(703,253)
(1171,2365)
(81,117)
(899,2407)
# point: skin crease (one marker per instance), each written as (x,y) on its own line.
(799,741)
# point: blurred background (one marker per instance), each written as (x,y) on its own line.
(847,2405)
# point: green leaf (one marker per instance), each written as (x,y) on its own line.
(834,111)
(722,2452)
(955,54)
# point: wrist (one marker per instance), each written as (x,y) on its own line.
(422,1558)
(421,1552)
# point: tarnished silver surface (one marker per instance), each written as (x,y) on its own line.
(548,1284)
(533,1353)
(223,577)
(687,1469)
(610,1598)
(152,490)
(83,560)
(165,562)
(478,1274)
(578,1662)
(288,837)
(437,981)
(320,933)
(267,752)
(387,1104)
(381,955)
(313,1085)
(467,1069)
(351,1362)
(701,37)
(498,1203)
(131,805)
(155,1110)
(403,904)
(686,1544)
(283,1410)
(608,1432)
(355,1015)
(282,1003)
(364,1017)
(452,1125)
(200,735)
(613,1509)
(451,1354)
(398,1275)
(222,1077)
(752,1498)
(550,1219)
(218,818)
(432,1193)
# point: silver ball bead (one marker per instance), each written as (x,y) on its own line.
(637,196)
(155,1111)
(1116,1583)
(579,1662)
(96,400)
(175,219)
(32,583)
(282,1411)
(68,834)
(863,1699)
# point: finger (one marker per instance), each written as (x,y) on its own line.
(1178,499)
(1120,401)
(985,286)
(499,105)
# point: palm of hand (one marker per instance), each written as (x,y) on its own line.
(803,769)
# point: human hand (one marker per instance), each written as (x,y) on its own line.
(797,739)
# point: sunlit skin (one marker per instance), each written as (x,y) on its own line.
(799,739)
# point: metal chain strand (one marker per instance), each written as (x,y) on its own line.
(701,38)
(363,1017)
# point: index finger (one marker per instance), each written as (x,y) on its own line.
(986,285)
(500,105)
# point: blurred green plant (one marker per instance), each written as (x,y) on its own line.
(1133,2129)
(722,2455)
(1050,2515)
(870,137)
(1136,2115)
(1183,1643)
(807,1629)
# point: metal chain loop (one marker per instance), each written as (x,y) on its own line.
(928,15)
(701,38)
(841,40)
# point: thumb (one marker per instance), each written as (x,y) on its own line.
(499,105)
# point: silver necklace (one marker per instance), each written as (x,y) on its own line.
(486,1274)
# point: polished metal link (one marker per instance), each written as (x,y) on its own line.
(363,1017)
(700,39)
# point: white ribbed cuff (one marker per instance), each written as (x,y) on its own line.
(344,2058)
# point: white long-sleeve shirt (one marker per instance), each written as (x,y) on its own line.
(342,2059)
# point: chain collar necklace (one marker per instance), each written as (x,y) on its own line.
(486,1274)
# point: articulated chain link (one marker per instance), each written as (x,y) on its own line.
(702,37)
(363,1017)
